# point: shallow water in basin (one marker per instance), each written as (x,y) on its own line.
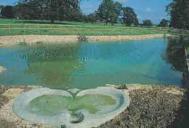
(88,65)
(57,104)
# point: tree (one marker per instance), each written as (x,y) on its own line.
(164,23)
(1,7)
(129,16)
(147,23)
(179,12)
(109,11)
(49,9)
(118,8)
(91,18)
(28,9)
(7,12)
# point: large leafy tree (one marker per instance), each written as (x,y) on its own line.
(129,16)
(109,11)
(48,9)
(7,12)
(179,11)
(91,18)
(28,9)
(147,23)
(118,8)
(164,23)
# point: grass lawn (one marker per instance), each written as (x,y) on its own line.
(23,27)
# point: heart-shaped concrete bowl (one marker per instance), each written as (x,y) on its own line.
(74,109)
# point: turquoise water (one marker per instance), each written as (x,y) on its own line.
(88,65)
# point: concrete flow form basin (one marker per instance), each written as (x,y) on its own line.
(72,108)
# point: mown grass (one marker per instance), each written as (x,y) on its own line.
(29,27)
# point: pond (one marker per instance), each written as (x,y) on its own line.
(89,65)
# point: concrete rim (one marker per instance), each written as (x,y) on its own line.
(90,120)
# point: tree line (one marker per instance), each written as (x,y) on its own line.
(109,12)
(179,12)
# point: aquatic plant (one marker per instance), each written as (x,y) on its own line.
(82,38)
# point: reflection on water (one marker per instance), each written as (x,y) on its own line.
(88,65)
(176,56)
(53,64)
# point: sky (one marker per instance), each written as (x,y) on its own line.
(145,9)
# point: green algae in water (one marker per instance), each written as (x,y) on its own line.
(53,73)
(50,105)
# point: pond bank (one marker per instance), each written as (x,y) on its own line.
(150,107)
(30,39)
(154,107)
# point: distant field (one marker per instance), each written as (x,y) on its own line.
(29,27)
